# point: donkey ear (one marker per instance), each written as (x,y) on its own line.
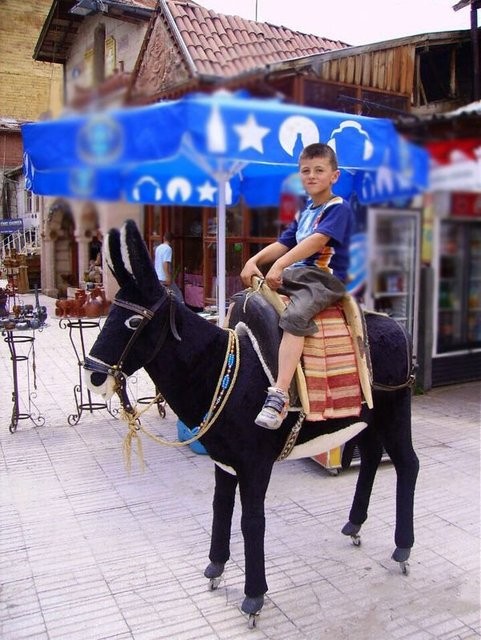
(137,260)
(113,257)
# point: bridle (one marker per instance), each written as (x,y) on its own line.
(225,383)
(147,314)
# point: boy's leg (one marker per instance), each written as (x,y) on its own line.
(290,352)
(277,402)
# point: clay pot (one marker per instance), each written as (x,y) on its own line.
(93,308)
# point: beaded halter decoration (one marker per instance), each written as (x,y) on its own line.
(225,384)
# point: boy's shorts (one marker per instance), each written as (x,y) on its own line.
(310,290)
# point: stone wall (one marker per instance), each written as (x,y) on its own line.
(28,89)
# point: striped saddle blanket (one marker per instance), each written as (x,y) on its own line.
(331,369)
(335,376)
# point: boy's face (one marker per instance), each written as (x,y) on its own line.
(317,176)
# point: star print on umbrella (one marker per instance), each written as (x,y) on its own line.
(251,134)
(207,191)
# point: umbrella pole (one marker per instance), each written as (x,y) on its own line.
(221,248)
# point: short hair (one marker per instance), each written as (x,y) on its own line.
(319,150)
(169,236)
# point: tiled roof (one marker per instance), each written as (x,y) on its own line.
(144,4)
(226,46)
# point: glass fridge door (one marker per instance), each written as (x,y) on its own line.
(474,286)
(450,299)
(393,241)
(459,275)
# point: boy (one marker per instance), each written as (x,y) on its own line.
(309,263)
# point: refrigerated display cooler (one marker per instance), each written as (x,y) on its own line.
(457,303)
(394,265)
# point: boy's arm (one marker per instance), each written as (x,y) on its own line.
(332,226)
(265,256)
(307,247)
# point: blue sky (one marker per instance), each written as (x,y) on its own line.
(355,22)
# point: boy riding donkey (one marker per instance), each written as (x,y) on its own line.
(309,263)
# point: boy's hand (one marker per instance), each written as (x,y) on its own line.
(250,269)
(274,277)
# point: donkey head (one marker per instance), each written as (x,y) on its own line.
(138,321)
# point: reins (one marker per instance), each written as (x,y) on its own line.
(146,314)
(225,384)
(116,371)
(131,414)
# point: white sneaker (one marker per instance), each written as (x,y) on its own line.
(274,410)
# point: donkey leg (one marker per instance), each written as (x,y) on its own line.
(398,444)
(253,484)
(370,449)
(223,508)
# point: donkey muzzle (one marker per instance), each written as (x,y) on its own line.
(99,378)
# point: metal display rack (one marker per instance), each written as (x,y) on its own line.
(14,340)
(83,397)
(160,402)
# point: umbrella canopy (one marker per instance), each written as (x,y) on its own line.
(211,150)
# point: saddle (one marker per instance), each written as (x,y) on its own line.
(335,371)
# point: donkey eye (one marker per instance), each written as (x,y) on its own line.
(133,322)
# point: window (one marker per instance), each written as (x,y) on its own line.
(195,252)
(110,56)
(32,202)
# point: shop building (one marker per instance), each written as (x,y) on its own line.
(29,90)
(451,244)
(115,53)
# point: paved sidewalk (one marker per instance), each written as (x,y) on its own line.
(88,552)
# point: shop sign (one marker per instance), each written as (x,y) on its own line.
(455,165)
(466,205)
(459,175)
(11,225)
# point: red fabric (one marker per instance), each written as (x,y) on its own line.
(330,367)
(441,151)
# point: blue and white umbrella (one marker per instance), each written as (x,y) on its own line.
(210,150)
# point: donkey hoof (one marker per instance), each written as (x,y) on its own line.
(350,529)
(401,555)
(213,572)
(252,607)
